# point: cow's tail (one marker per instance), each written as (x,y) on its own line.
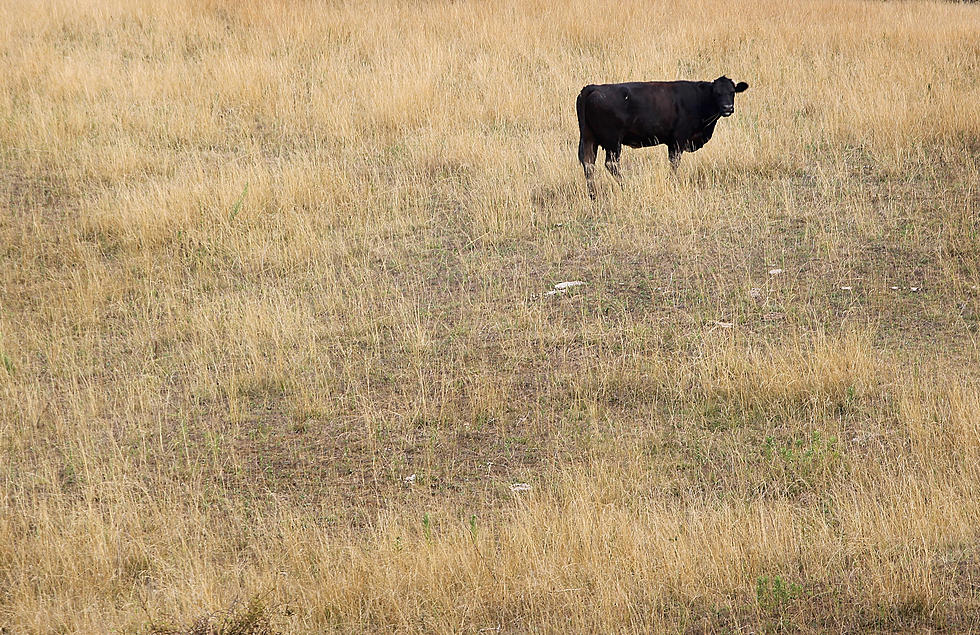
(585,131)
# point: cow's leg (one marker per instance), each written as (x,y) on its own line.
(612,162)
(586,155)
(674,156)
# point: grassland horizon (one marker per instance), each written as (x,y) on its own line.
(277,353)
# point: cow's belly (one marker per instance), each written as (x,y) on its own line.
(640,142)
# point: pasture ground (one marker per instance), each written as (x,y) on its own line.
(276,351)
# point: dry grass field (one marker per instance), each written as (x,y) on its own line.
(277,356)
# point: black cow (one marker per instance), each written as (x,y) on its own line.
(681,115)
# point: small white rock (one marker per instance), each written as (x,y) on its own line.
(846,288)
(563,287)
(520,487)
(775,272)
(409,479)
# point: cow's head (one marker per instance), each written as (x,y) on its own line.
(724,91)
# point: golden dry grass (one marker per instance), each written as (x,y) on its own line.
(264,261)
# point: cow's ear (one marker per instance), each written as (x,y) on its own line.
(741,87)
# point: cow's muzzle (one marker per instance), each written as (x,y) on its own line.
(727,112)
